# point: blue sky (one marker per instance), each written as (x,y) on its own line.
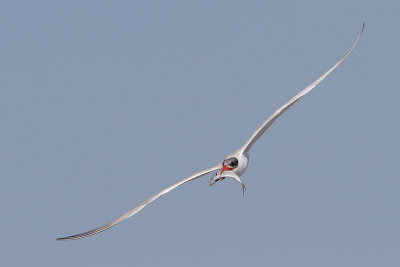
(104,103)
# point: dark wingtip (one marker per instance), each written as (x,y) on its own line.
(64,238)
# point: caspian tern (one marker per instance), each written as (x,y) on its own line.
(234,163)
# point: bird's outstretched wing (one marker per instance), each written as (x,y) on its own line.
(140,206)
(260,131)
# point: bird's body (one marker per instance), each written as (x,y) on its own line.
(243,158)
(233,165)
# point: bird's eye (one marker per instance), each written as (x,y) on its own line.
(231,162)
(234,163)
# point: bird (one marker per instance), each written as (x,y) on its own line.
(233,165)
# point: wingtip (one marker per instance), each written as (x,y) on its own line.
(72,237)
(63,238)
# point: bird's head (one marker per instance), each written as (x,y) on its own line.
(229,166)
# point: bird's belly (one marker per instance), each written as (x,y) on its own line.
(239,171)
(242,165)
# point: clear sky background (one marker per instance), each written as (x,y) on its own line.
(104,103)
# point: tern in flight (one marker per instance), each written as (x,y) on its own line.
(232,166)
